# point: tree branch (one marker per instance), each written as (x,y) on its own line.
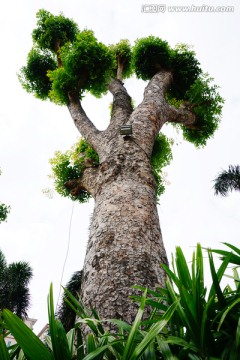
(84,125)
(87,182)
(184,115)
(122,107)
(120,65)
(148,118)
(121,110)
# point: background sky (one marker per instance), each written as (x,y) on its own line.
(38,228)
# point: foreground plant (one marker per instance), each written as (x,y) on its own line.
(205,324)
(186,321)
(128,342)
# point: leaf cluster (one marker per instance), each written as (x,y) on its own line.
(14,282)
(64,312)
(227,180)
(52,31)
(4,211)
(87,66)
(123,55)
(70,165)
(150,55)
(161,157)
(65,59)
(33,77)
(205,324)
(186,70)
(207,106)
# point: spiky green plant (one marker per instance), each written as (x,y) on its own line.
(186,322)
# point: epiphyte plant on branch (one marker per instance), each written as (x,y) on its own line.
(125,244)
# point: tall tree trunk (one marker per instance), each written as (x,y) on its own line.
(125,247)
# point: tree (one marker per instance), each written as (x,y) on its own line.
(4,210)
(14,282)
(125,243)
(65,313)
(227,180)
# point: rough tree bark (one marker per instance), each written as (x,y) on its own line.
(125,245)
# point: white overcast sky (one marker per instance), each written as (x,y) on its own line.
(37,230)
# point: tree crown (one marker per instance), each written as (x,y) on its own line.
(66,61)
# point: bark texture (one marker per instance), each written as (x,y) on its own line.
(125,245)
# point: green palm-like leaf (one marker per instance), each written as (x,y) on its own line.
(153,332)
(3,350)
(59,340)
(31,345)
(227,180)
(130,345)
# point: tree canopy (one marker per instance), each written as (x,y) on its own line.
(4,210)
(66,62)
(227,180)
(14,282)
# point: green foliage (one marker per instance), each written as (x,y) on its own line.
(123,54)
(189,87)
(186,322)
(70,165)
(53,31)
(205,324)
(150,55)
(64,312)
(33,77)
(4,211)
(87,66)
(84,63)
(207,105)
(65,59)
(174,102)
(61,84)
(186,70)
(161,157)
(130,342)
(233,255)
(14,282)
(227,180)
